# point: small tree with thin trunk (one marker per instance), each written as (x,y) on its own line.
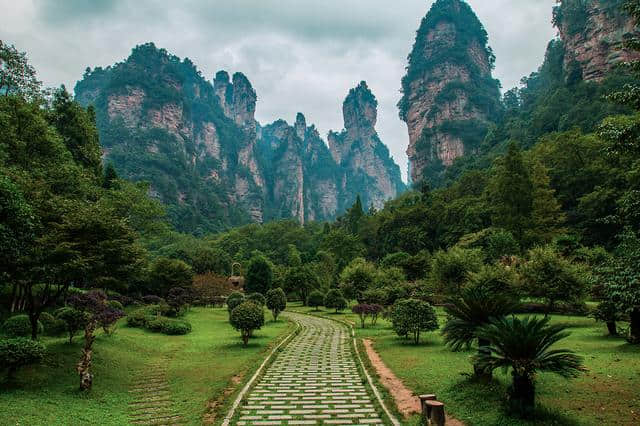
(316,299)
(335,300)
(246,318)
(94,305)
(74,320)
(412,316)
(276,301)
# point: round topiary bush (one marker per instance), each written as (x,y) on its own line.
(19,326)
(276,301)
(335,300)
(257,298)
(152,300)
(115,305)
(156,323)
(15,353)
(316,299)
(176,327)
(411,316)
(52,325)
(74,320)
(245,318)
(137,318)
(234,300)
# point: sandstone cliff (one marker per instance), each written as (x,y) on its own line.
(449,95)
(368,169)
(593,33)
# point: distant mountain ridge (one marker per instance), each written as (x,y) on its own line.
(214,166)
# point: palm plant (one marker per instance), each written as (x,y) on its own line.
(474,307)
(524,346)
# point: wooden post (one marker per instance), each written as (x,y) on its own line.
(425,410)
(436,410)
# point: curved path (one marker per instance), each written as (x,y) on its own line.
(314,379)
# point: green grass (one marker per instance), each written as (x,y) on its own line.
(203,365)
(607,394)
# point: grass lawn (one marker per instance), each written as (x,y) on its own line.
(202,366)
(609,393)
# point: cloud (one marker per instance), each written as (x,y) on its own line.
(300,55)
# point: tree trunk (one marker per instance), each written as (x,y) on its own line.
(479,373)
(634,326)
(523,393)
(612,328)
(416,336)
(245,336)
(33,319)
(84,366)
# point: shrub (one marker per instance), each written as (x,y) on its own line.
(152,300)
(52,325)
(247,317)
(413,316)
(276,302)
(155,323)
(19,326)
(74,320)
(15,353)
(316,299)
(234,299)
(115,305)
(137,318)
(335,300)
(175,327)
(257,298)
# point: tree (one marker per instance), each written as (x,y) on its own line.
(547,216)
(551,277)
(412,316)
(276,302)
(621,281)
(259,278)
(97,312)
(234,300)
(246,318)
(316,299)
(473,308)
(335,300)
(450,269)
(17,76)
(168,273)
(524,346)
(511,193)
(74,320)
(343,246)
(500,244)
(357,277)
(301,280)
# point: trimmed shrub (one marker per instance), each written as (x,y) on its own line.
(257,298)
(52,325)
(335,300)
(19,326)
(152,300)
(316,299)
(156,323)
(175,327)
(137,318)
(246,318)
(115,305)
(276,301)
(15,353)
(73,319)
(234,299)
(411,316)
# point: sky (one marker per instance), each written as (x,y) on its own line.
(300,55)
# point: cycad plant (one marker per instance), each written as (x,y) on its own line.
(474,307)
(524,346)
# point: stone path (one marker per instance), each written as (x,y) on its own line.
(152,403)
(314,379)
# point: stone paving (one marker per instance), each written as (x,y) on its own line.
(313,380)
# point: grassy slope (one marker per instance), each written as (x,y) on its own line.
(202,367)
(606,394)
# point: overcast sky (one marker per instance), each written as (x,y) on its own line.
(300,55)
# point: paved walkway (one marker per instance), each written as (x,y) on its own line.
(314,379)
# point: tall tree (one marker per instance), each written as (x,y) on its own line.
(259,278)
(17,76)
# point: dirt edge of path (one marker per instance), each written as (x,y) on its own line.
(404,398)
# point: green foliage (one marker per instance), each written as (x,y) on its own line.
(450,269)
(276,302)
(168,326)
(550,276)
(412,316)
(52,325)
(168,273)
(500,244)
(16,225)
(246,318)
(15,353)
(316,299)
(259,277)
(524,346)
(19,326)
(234,299)
(335,300)
(301,280)
(74,320)
(357,277)
(17,76)
(257,298)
